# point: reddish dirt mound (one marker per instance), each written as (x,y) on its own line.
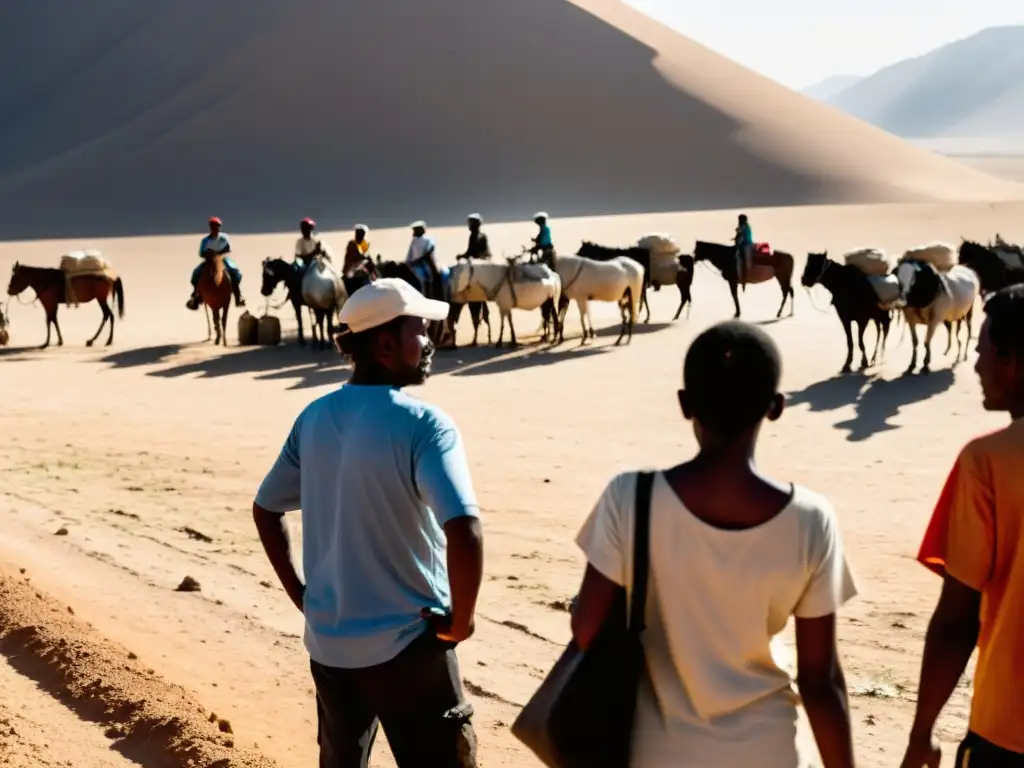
(149,720)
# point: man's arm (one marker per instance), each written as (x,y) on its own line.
(443,479)
(951,639)
(281,492)
(273,533)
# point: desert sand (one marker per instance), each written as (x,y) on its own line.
(148,454)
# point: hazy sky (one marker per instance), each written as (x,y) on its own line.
(800,42)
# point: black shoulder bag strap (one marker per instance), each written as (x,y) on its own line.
(641,551)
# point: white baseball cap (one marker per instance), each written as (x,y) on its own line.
(385,299)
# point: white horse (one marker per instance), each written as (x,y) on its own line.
(510,286)
(324,293)
(931,297)
(620,280)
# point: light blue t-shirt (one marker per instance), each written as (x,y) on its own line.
(376,473)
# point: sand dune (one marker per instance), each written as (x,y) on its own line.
(971,88)
(146,118)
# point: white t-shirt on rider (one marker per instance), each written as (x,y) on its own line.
(306,246)
(419,247)
(216,244)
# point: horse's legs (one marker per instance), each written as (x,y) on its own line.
(647,306)
(862,325)
(848,330)
(582,305)
(929,334)
(106,311)
(949,336)
(474,315)
(501,329)
(913,344)
(110,315)
(735,297)
(970,322)
(512,332)
(224,324)
(485,313)
(298,321)
(60,336)
(785,295)
(50,315)
(209,328)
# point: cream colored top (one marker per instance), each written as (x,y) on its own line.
(717,693)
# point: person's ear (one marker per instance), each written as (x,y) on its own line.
(777,406)
(684,405)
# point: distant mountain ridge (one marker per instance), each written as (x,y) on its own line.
(971,88)
(831,87)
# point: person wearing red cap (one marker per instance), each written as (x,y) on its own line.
(309,245)
(217,243)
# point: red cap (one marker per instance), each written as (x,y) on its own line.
(309,221)
(215,220)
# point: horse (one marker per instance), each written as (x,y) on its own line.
(855,301)
(51,288)
(642,256)
(997,266)
(215,291)
(323,291)
(620,280)
(510,286)
(931,297)
(765,266)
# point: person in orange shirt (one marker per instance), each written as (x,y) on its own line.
(975,540)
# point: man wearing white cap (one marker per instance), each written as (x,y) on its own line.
(392,544)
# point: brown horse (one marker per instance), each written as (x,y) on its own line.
(776,265)
(215,290)
(50,286)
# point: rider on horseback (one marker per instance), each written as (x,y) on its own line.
(744,249)
(355,251)
(542,243)
(216,243)
(420,257)
(478,247)
(308,246)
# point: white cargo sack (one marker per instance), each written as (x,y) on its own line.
(942,256)
(870,261)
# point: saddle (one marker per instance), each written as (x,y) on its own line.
(529,273)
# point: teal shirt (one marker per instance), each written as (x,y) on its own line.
(544,238)
(746,236)
(376,473)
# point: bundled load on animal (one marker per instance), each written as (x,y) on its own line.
(247,330)
(85,262)
(942,256)
(870,261)
(268,331)
(664,253)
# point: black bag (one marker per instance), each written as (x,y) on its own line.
(582,714)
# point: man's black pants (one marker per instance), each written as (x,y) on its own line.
(976,752)
(417,697)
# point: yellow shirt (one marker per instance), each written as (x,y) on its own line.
(981,513)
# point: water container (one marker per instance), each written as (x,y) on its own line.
(268,331)
(247,329)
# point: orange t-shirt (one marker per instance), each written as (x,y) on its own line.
(976,535)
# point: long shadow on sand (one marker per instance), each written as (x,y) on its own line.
(305,367)
(875,400)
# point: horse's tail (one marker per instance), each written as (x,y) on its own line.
(119,297)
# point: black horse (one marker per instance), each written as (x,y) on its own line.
(277,271)
(855,301)
(777,264)
(996,266)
